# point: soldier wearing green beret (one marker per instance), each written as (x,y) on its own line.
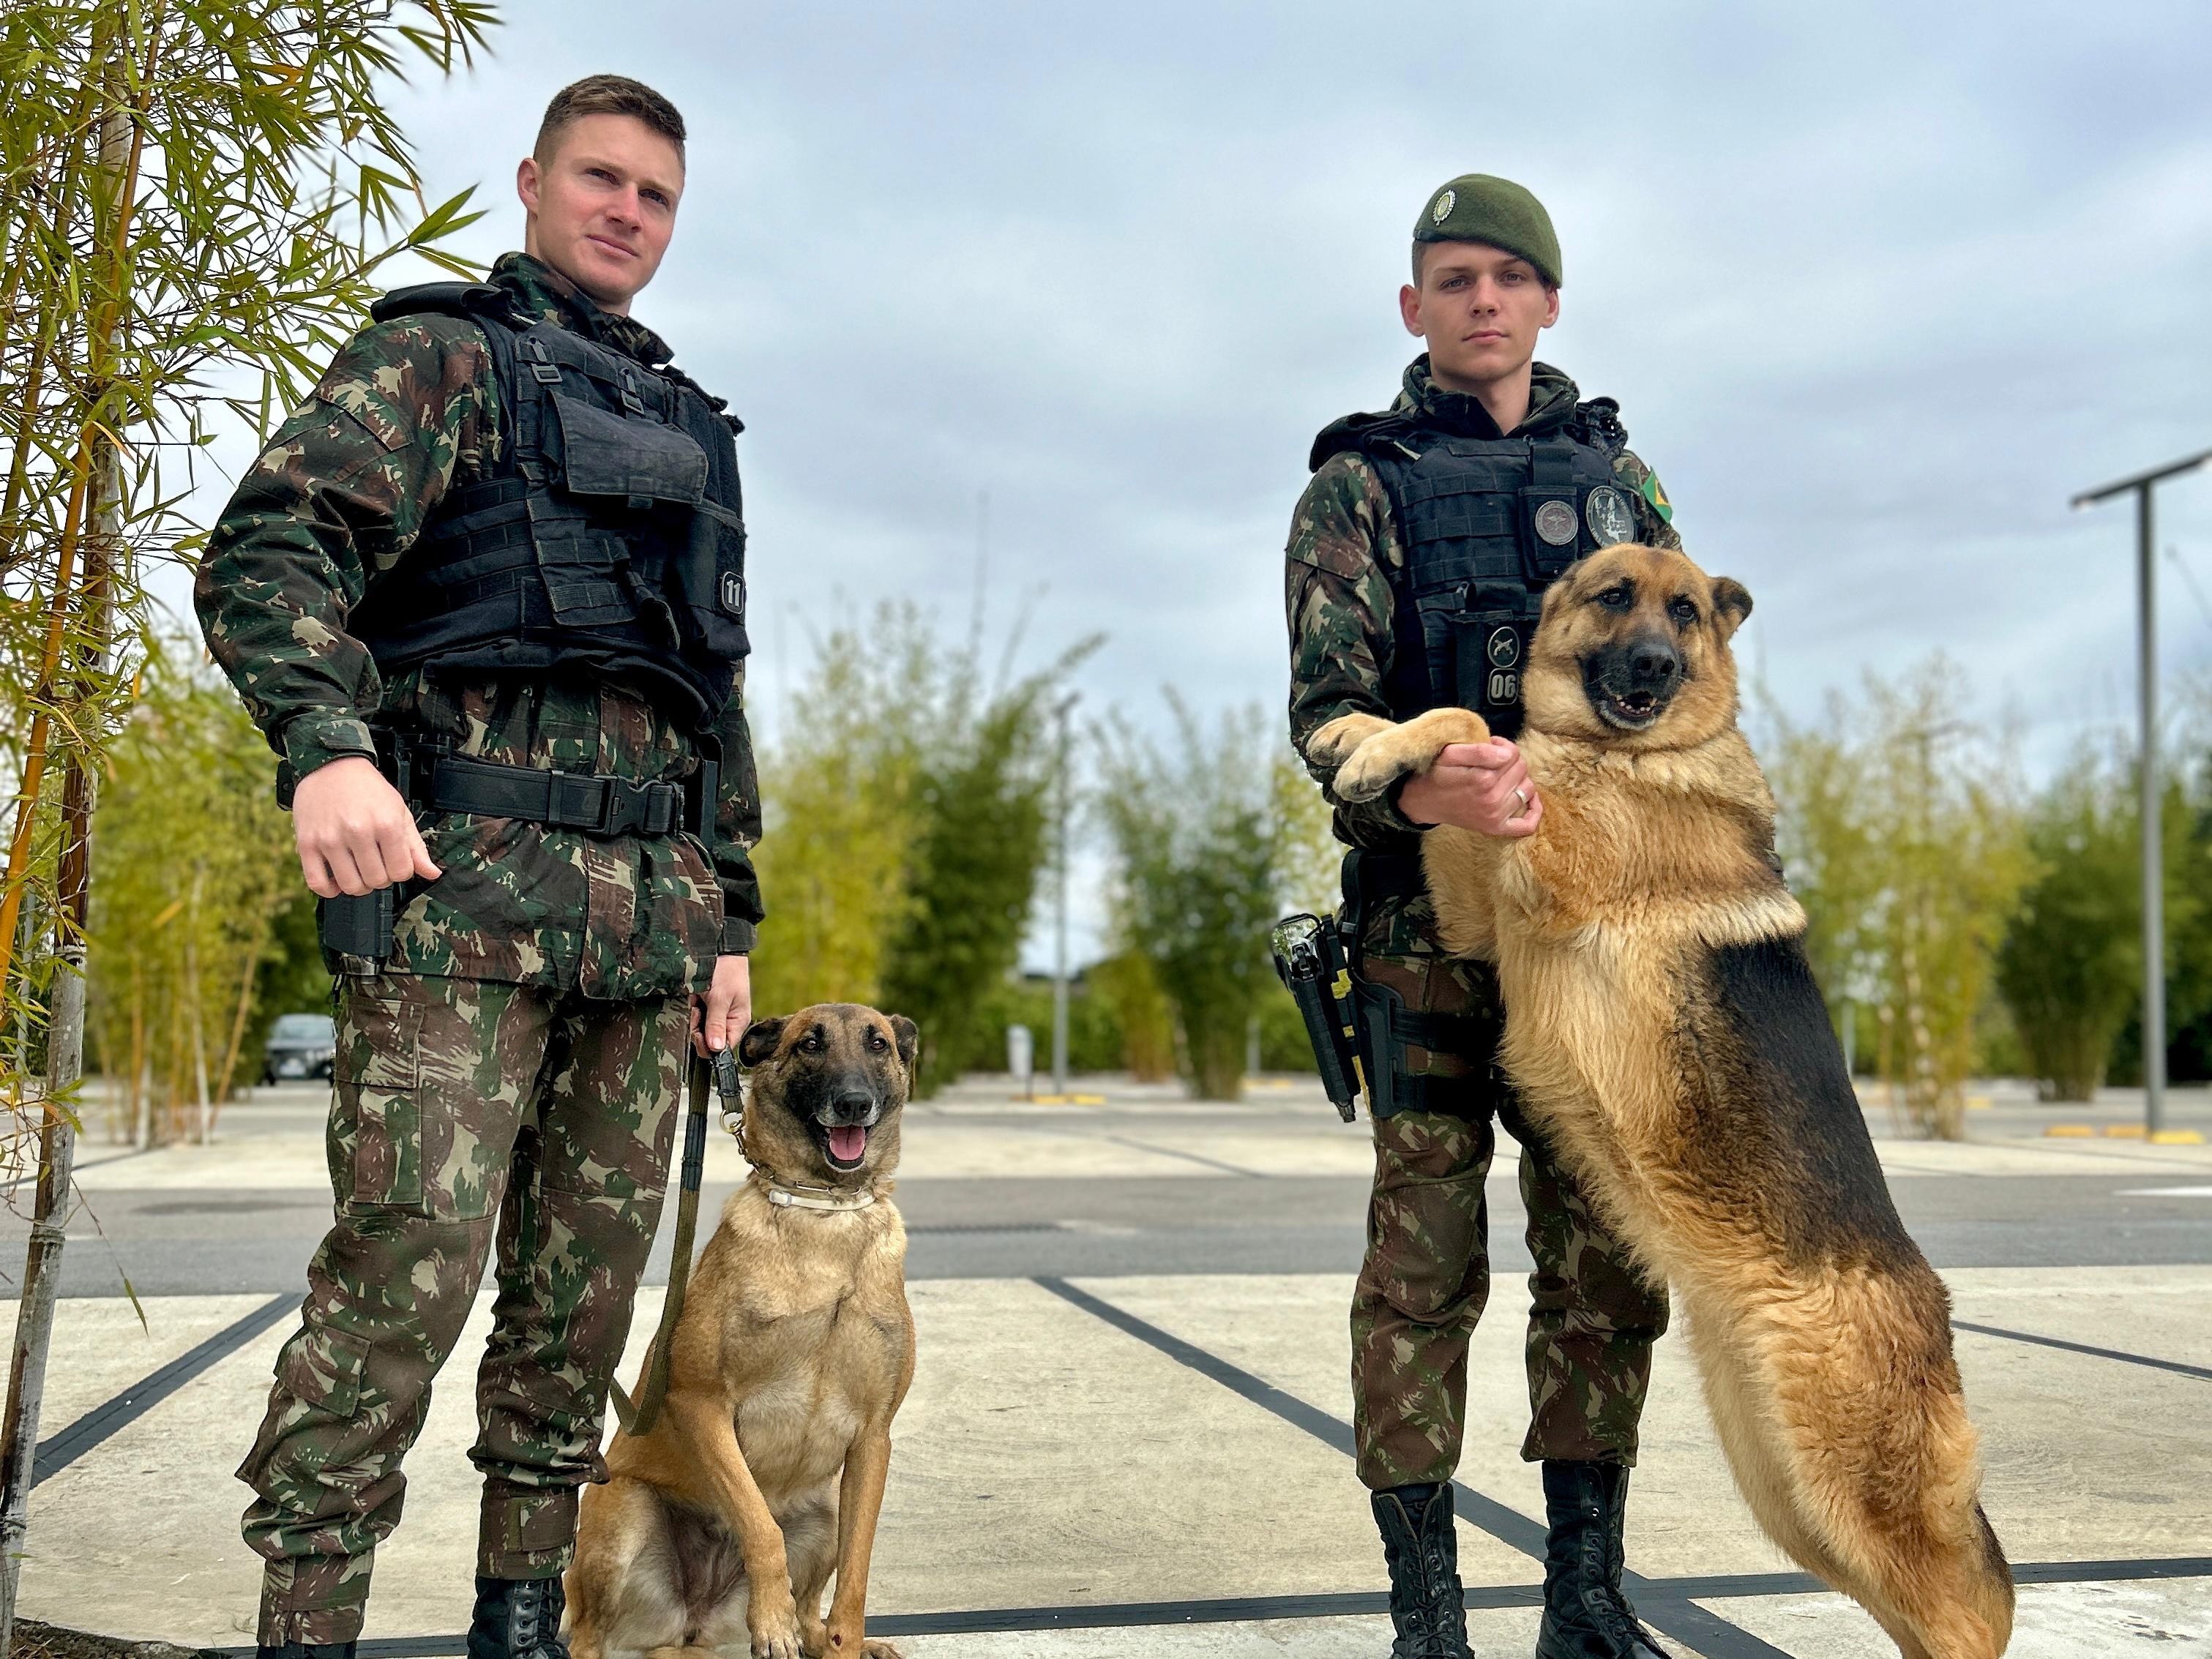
(1417,560)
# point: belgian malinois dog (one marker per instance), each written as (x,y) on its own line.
(721,1527)
(1663,1029)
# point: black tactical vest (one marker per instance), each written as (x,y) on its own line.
(610,538)
(1486,524)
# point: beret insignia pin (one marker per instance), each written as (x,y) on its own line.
(1445,201)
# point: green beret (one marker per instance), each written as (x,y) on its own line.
(1477,208)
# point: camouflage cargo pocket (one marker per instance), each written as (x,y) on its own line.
(376,1122)
(1427,1249)
(322,1369)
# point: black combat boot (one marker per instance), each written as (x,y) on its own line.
(1585,1614)
(1427,1608)
(304,1650)
(518,1619)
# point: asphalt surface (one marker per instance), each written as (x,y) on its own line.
(1215,1216)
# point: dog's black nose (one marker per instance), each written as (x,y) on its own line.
(1654,662)
(851,1105)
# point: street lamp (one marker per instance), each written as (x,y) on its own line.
(2153,860)
(1065,708)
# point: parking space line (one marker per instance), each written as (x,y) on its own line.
(1240,1609)
(2175,1366)
(1669,1613)
(65,1446)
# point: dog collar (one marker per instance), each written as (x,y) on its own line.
(815,1198)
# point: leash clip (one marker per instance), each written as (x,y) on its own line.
(729,1083)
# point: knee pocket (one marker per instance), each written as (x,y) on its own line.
(1426,1253)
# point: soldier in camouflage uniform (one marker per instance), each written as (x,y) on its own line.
(523,699)
(1415,564)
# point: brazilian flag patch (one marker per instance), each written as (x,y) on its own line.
(1657,497)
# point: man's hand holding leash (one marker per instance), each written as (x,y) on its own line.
(720,1018)
(1482,787)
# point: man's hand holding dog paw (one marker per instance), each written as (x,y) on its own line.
(1482,787)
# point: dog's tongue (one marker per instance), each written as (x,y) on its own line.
(846,1143)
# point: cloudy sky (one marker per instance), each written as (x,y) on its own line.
(1877,287)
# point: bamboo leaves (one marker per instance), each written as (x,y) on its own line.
(195,197)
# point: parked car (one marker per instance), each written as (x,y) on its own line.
(299,1046)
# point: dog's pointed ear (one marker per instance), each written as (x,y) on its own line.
(1731,604)
(907,1036)
(759,1040)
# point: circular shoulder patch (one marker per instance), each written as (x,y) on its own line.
(1606,513)
(1555,523)
(1446,200)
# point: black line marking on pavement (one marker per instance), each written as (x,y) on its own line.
(1237,1609)
(1198,1158)
(1670,1614)
(2121,1355)
(65,1446)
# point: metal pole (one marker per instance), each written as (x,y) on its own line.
(2153,860)
(1059,916)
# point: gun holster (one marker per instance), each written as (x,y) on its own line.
(1309,960)
(357,928)
(1388,1028)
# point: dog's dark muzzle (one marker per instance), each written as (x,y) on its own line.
(1630,684)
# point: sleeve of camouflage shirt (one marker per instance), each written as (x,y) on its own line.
(338,494)
(738,825)
(1655,514)
(1340,606)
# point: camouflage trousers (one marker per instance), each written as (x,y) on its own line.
(466,1114)
(1422,1288)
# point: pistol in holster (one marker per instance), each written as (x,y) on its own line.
(357,928)
(1310,960)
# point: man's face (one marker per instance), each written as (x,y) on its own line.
(1480,310)
(601,210)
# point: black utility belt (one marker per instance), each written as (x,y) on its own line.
(596,805)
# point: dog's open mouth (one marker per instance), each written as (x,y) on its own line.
(1632,710)
(848,1144)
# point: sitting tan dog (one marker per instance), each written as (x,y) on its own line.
(1663,1029)
(721,1526)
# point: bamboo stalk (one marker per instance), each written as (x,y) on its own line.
(245,1003)
(27,1374)
(122,150)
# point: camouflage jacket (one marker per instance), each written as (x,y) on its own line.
(1337,591)
(410,409)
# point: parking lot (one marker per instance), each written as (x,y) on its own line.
(1129,1431)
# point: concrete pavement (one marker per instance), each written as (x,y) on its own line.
(1125,1440)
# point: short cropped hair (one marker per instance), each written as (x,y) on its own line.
(606,94)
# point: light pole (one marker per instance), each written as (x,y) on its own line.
(2154,859)
(1060,907)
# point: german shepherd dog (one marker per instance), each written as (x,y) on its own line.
(1665,1032)
(721,1526)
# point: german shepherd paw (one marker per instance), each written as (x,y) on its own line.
(1331,744)
(1392,752)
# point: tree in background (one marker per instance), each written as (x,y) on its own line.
(1209,835)
(2071,967)
(1902,823)
(193,867)
(1829,845)
(1127,983)
(906,811)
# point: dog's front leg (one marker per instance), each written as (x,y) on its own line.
(860,1502)
(771,1611)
